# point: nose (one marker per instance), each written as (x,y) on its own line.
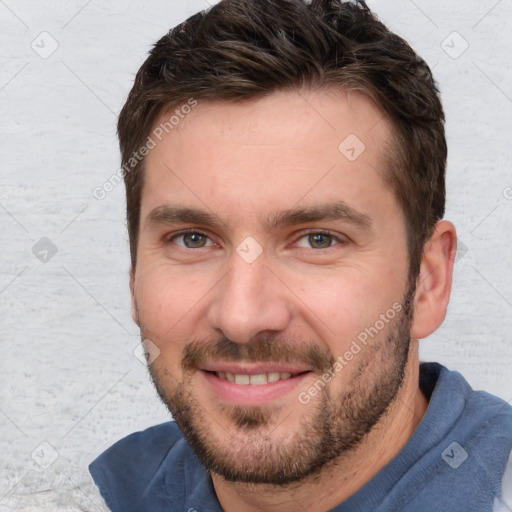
(249,301)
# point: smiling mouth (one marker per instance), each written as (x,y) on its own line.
(257,379)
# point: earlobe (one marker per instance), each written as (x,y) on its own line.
(135,315)
(434,282)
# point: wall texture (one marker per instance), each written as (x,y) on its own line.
(70,381)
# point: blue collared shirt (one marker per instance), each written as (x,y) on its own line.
(454,461)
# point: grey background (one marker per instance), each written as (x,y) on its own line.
(70,384)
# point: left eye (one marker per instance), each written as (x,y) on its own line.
(192,240)
(318,241)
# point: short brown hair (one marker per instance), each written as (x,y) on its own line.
(245,49)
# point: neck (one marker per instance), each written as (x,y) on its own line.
(343,477)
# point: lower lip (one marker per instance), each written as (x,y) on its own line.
(251,394)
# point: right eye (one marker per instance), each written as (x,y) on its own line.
(191,240)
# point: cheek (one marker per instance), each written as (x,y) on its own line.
(344,304)
(167,300)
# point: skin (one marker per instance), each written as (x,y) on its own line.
(243,162)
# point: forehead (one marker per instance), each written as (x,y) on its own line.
(278,150)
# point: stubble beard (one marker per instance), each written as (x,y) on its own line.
(253,451)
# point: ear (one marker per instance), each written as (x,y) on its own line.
(135,315)
(434,282)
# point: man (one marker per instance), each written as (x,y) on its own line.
(284,164)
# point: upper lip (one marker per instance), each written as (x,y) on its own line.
(241,368)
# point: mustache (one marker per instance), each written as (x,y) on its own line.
(267,348)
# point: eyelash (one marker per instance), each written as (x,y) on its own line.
(188,232)
(337,240)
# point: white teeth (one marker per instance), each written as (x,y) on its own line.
(261,378)
(242,379)
(255,380)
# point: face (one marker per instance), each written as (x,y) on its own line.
(272,276)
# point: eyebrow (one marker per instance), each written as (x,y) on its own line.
(167,214)
(324,212)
